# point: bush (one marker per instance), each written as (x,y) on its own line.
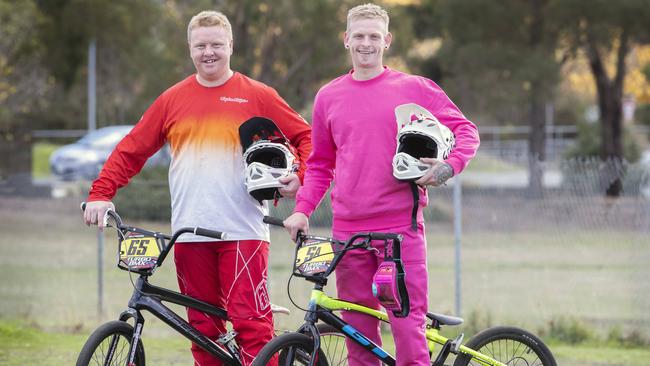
(589,141)
(146,197)
(634,338)
(477,321)
(570,331)
(642,114)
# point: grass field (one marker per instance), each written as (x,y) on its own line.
(40,158)
(48,286)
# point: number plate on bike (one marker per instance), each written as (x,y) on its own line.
(313,257)
(138,253)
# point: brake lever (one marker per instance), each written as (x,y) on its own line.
(106,216)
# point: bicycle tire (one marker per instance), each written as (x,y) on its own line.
(509,345)
(97,347)
(278,347)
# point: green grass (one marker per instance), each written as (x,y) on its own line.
(40,158)
(486,164)
(21,344)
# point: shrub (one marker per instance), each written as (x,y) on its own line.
(146,197)
(570,331)
(589,141)
(642,114)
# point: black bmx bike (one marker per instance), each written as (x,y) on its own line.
(119,342)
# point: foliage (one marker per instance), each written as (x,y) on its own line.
(22,77)
(569,330)
(478,320)
(588,143)
(633,338)
(489,53)
(146,197)
(642,114)
(40,159)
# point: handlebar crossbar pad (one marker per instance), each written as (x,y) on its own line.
(210,233)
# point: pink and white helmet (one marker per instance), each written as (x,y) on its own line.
(420,135)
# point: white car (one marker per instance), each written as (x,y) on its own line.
(85,158)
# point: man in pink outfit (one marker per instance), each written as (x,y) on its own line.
(354,133)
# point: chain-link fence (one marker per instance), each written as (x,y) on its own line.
(570,252)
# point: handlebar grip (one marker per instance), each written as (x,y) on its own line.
(210,233)
(273,221)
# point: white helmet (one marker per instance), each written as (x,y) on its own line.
(267,155)
(420,135)
(266,162)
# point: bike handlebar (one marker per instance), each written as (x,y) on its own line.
(210,233)
(172,239)
(273,221)
(363,241)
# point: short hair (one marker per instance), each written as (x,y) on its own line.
(367,11)
(209,18)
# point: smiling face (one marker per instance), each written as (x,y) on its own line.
(367,39)
(210,50)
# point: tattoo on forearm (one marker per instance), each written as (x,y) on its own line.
(441,174)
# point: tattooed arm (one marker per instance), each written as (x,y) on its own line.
(437,175)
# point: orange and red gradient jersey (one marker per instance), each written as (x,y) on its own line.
(206,174)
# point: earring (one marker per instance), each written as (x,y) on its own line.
(347,46)
(386,47)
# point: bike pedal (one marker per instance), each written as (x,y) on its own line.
(226,337)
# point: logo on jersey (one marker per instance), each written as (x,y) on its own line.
(233,100)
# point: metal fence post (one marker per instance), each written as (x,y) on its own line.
(100,274)
(457,237)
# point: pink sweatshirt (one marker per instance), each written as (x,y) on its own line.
(354,132)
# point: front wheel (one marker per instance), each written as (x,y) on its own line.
(109,345)
(508,345)
(288,349)
(332,344)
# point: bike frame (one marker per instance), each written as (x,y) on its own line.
(149,297)
(321,307)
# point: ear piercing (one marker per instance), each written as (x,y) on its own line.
(347,46)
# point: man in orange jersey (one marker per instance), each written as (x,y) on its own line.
(199,117)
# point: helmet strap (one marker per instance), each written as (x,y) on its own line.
(416,200)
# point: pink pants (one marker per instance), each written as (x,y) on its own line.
(354,283)
(231,275)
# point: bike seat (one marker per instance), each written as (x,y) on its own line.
(445,319)
(277,309)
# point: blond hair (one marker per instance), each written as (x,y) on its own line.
(367,11)
(209,18)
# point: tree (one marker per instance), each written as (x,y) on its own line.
(600,28)
(23,82)
(501,56)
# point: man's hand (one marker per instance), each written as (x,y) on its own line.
(437,175)
(291,184)
(95,211)
(297,222)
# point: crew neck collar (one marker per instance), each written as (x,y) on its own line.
(232,77)
(374,79)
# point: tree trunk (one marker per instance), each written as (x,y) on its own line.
(537,136)
(610,96)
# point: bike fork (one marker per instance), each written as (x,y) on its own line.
(137,333)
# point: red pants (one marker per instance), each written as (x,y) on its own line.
(231,275)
